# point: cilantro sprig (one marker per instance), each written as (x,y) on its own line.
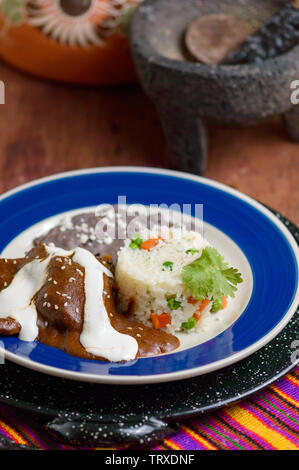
(210,276)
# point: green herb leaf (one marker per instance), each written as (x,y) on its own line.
(210,276)
(136,241)
(189,324)
(192,251)
(173,304)
(168,265)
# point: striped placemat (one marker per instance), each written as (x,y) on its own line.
(268,420)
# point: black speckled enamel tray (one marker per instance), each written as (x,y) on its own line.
(98,414)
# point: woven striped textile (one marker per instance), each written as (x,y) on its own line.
(268,420)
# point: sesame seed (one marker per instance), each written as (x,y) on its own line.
(67,296)
(83,238)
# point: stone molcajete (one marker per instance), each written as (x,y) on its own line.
(187,94)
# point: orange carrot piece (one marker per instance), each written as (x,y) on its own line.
(224,302)
(165,319)
(196,316)
(192,300)
(204,303)
(155,321)
(160,321)
(150,243)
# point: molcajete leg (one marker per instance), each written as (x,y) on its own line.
(186,135)
(291,120)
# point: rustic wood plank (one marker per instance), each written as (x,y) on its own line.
(47,128)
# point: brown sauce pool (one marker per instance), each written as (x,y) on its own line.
(60,306)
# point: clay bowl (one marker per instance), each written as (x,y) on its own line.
(73,41)
(188,94)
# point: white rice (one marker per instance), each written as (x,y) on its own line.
(140,275)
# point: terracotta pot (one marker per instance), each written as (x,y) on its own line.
(77,41)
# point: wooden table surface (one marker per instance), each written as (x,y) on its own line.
(47,128)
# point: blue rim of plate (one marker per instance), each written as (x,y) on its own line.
(269,247)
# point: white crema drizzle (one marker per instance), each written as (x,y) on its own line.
(16,300)
(98,336)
